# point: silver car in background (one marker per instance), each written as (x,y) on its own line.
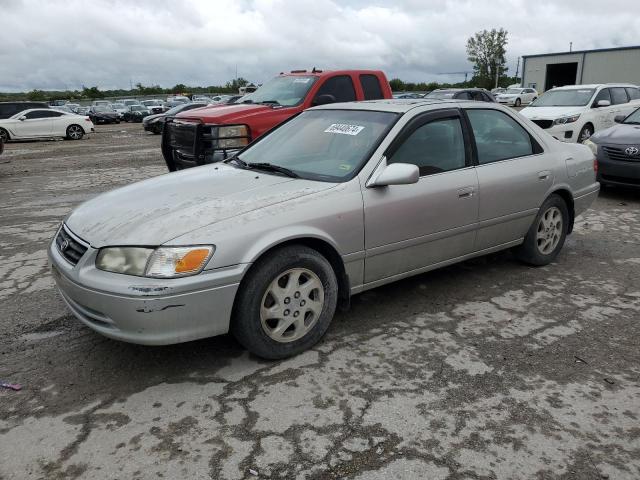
(337,200)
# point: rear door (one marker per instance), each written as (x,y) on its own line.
(409,227)
(514,175)
(620,101)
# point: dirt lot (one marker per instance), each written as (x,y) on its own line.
(484,370)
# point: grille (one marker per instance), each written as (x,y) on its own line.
(182,137)
(73,250)
(617,153)
(543,123)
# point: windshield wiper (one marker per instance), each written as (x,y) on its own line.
(273,168)
(238,160)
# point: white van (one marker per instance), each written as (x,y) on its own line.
(574,112)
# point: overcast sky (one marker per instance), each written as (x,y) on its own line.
(52,44)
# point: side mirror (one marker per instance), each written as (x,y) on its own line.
(619,118)
(603,103)
(22,118)
(323,100)
(396,174)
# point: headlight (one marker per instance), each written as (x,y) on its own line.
(127,260)
(563,120)
(163,262)
(592,146)
(233,136)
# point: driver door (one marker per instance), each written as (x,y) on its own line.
(37,123)
(411,227)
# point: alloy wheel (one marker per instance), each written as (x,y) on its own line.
(292,305)
(75,132)
(549,230)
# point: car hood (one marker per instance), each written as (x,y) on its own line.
(550,113)
(225,113)
(618,134)
(155,116)
(156,210)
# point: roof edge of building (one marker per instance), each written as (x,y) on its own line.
(612,49)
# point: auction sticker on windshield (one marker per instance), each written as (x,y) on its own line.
(344,129)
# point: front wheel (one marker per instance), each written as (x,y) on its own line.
(4,135)
(585,133)
(75,132)
(547,234)
(286,303)
(518,102)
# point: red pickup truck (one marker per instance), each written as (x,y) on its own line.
(212,134)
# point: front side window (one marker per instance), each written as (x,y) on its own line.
(324,145)
(435,147)
(618,96)
(371,87)
(602,95)
(286,90)
(340,87)
(498,136)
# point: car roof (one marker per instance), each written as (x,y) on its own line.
(325,73)
(595,85)
(400,105)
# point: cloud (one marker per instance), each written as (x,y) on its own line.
(110,43)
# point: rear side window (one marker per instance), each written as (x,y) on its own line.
(463,96)
(371,87)
(435,147)
(634,93)
(618,96)
(341,87)
(498,136)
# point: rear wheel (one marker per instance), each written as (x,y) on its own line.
(4,135)
(547,234)
(518,102)
(286,303)
(75,132)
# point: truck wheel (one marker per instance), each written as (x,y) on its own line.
(547,233)
(286,303)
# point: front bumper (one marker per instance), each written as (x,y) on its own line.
(618,172)
(142,310)
(507,101)
(567,132)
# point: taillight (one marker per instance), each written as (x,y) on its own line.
(595,165)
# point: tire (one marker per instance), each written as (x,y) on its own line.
(75,132)
(547,233)
(157,129)
(274,314)
(585,133)
(518,102)
(4,135)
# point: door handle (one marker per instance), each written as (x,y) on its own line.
(544,174)
(466,192)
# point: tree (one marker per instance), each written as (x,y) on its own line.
(36,95)
(92,92)
(486,50)
(396,84)
(179,88)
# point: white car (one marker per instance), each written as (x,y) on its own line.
(178,98)
(573,113)
(120,108)
(45,123)
(517,96)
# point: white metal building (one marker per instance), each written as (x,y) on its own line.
(607,65)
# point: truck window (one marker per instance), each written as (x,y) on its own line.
(371,87)
(341,87)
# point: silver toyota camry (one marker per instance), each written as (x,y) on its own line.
(338,200)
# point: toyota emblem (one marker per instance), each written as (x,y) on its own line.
(632,151)
(64,245)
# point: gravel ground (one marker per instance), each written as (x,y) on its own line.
(488,369)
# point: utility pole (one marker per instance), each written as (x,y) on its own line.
(517,68)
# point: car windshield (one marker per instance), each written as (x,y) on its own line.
(324,145)
(118,105)
(184,106)
(634,118)
(284,90)
(573,97)
(136,108)
(512,91)
(443,94)
(102,108)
